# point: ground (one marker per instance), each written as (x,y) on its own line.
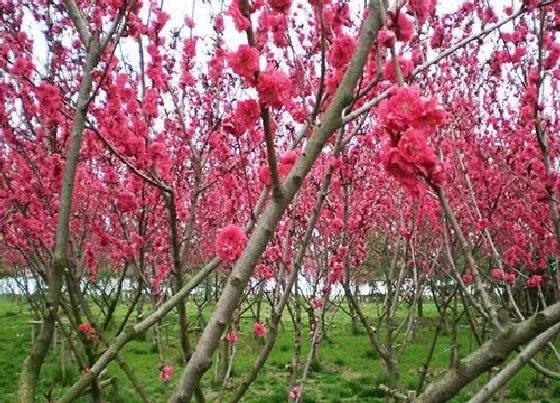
(348,371)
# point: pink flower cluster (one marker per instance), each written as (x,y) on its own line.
(285,164)
(422,8)
(409,119)
(234,11)
(534,281)
(294,393)
(406,66)
(162,272)
(280,6)
(274,88)
(230,242)
(316,303)
(232,337)
(406,108)
(246,114)
(166,373)
(86,328)
(259,329)
(341,51)
(245,62)
(499,274)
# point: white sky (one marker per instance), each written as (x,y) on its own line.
(178,9)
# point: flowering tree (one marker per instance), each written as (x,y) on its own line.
(334,135)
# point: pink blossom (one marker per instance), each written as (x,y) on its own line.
(467,278)
(274,88)
(422,8)
(406,66)
(337,223)
(414,149)
(246,114)
(497,274)
(397,165)
(316,303)
(245,62)
(286,162)
(405,27)
(166,373)
(126,201)
(232,337)
(234,11)
(386,38)
(259,329)
(281,6)
(263,173)
(230,242)
(294,393)
(403,107)
(510,278)
(534,281)
(85,328)
(341,51)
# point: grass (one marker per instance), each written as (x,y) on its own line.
(349,371)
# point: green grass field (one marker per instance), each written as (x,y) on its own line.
(348,371)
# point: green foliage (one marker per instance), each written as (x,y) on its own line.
(348,369)
(518,391)
(555,391)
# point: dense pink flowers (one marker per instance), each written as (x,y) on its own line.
(263,172)
(406,66)
(410,119)
(166,373)
(405,107)
(259,329)
(245,62)
(161,273)
(230,242)
(286,162)
(397,165)
(246,114)
(341,51)
(534,281)
(126,201)
(386,38)
(412,156)
(281,6)
(404,27)
(497,274)
(415,150)
(274,88)
(401,109)
(510,278)
(467,278)
(422,8)
(86,328)
(234,11)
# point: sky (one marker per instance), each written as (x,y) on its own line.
(178,9)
